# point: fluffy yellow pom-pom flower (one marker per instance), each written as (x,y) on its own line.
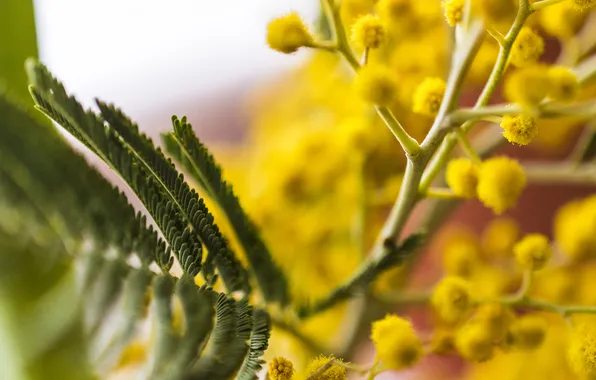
(335,372)
(280,369)
(376,84)
(451,298)
(454,11)
(527,332)
(474,342)
(527,86)
(428,96)
(561,20)
(461,256)
(499,237)
(496,318)
(396,342)
(584,4)
(527,48)
(395,10)
(519,129)
(564,85)
(533,252)
(288,33)
(462,177)
(500,182)
(368,32)
(582,350)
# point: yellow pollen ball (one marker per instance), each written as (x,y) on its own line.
(582,350)
(280,369)
(527,332)
(499,237)
(428,96)
(496,318)
(376,84)
(462,177)
(454,11)
(533,252)
(564,85)
(451,298)
(368,32)
(461,256)
(474,342)
(500,182)
(562,20)
(528,86)
(288,33)
(396,342)
(395,10)
(527,48)
(335,372)
(519,129)
(584,4)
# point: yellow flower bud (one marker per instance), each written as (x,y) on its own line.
(368,32)
(496,318)
(288,33)
(428,96)
(461,256)
(533,252)
(462,177)
(500,182)
(499,237)
(527,48)
(451,298)
(527,86)
(396,342)
(454,11)
(395,10)
(562,20)
(527,332)
(584,4)
(474,342)
(582,350)
(280,369)
(335,372)
(564,85)
(376,84)
(519,129)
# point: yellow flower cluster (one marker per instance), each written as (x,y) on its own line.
(318,148)
(280,369)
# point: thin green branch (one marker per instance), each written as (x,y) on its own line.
(560,173)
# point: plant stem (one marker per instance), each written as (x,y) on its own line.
(561,173)
(463,139)
(544,3)
(441,193)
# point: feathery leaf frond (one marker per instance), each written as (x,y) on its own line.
(186,148)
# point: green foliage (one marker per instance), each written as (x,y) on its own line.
(184,145)
(393,256)
(59,217)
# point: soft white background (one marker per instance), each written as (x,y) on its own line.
(157,57)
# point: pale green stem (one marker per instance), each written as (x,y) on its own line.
(440,193)
(560,173)
(409,144)
(544,3)
(465,143)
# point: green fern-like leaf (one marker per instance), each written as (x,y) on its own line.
(186,148)
(58,217)
(181,215)
(259,341)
